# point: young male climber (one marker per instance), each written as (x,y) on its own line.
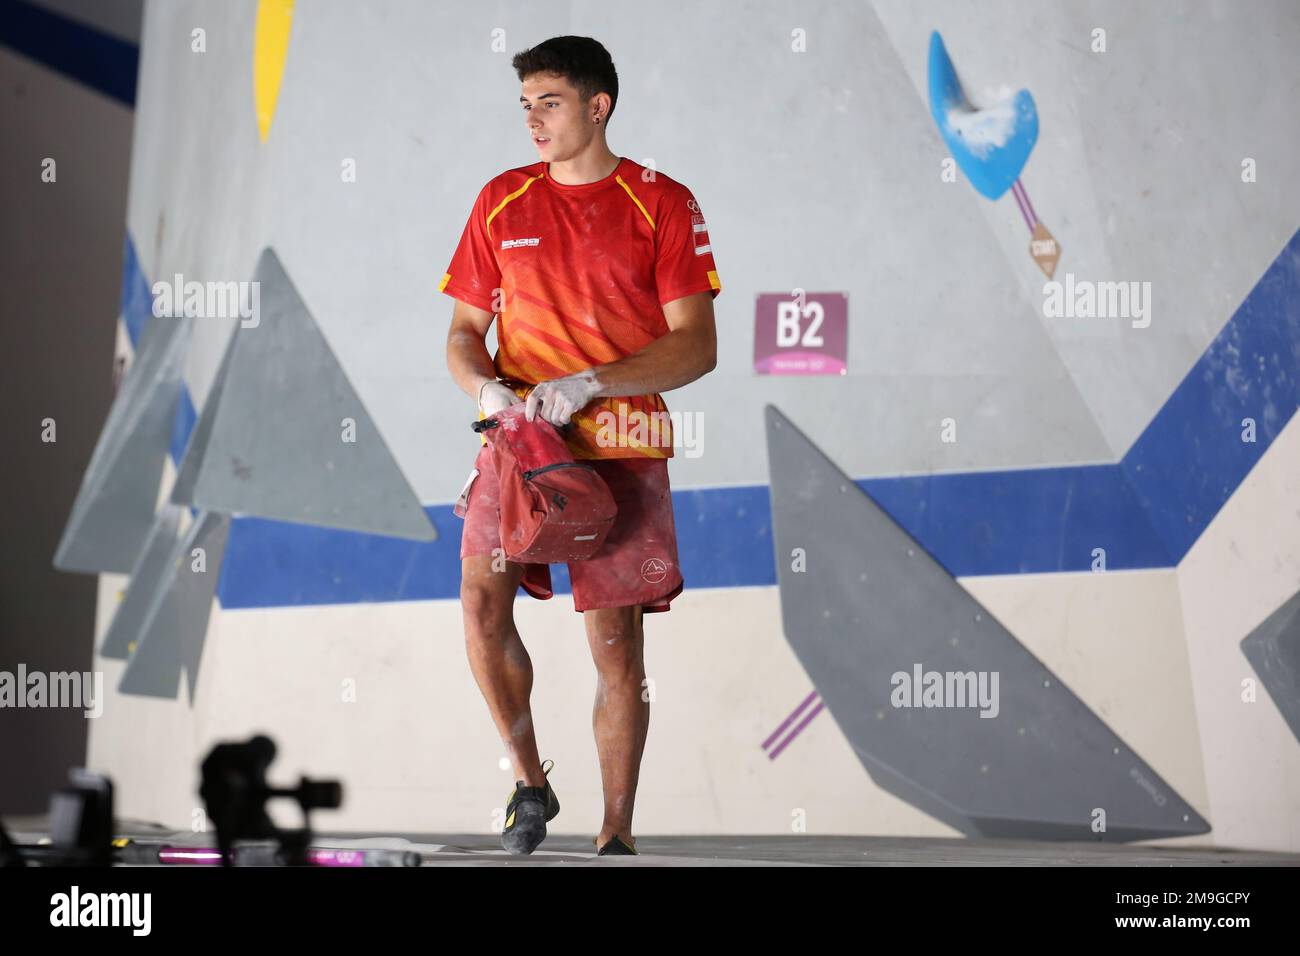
(601,275)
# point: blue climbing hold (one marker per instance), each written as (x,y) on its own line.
(991,145)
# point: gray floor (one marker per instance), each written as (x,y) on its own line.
(740,850)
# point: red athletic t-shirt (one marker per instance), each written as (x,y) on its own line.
(578,276)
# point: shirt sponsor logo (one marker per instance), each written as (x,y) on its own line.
(517,243)
(654,570)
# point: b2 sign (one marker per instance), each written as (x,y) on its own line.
(806,333)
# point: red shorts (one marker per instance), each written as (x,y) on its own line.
(637,564)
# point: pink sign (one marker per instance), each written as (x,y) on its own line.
(803,334)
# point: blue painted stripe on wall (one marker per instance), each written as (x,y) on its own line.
(1024,521)
(182,426)
(724,540)
(274,563)
(988,523)
(1191,457)
(137,301)
(1145,511)
(102,62)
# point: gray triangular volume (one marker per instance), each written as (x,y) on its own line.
(176,622)
(1273,649)
(192,463)
(147,577)
(212,534)
(270,442)
(871,607)
(114,509)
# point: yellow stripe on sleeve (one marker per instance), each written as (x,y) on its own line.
(635,200)
(514,195)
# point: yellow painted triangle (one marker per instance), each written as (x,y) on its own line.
(270,45)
